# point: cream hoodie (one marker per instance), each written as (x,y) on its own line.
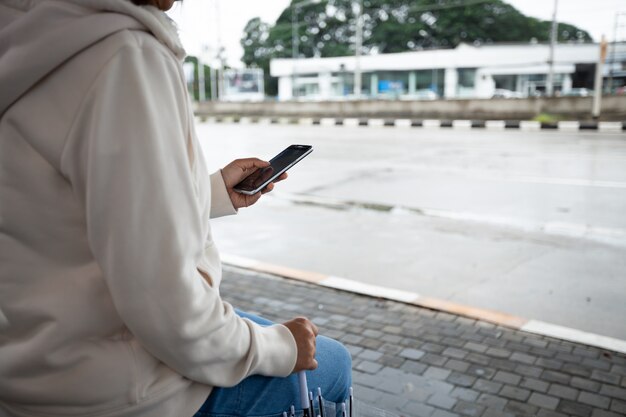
(104,223)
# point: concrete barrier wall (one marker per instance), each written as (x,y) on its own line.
(574,108)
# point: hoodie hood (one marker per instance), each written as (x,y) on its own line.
(37,36)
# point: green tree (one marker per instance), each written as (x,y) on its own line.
(326,29)
(195,88)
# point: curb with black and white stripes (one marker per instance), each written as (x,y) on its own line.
(526,125)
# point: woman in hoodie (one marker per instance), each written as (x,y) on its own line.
(109,277)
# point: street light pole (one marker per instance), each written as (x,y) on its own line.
(358,46)
(553,33)
(597,85)
(612,60)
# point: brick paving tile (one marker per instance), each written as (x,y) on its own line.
(619,406)
(442,401)
(476,347)
(612,391)
(534,384)
(433,359)
(520,408)
(524,358)
(454,353)
(543,401)
(416,362)
(585,384)
(493,401)
(594,400)
(392,361)
(515,393)
(598,375)
(414,367)
(456,365)
(478,359)
(507,378)
(527,370)
(418,409)
(487,386)
(369,367)
(464,394)
(434,372)
(468,408)
(432,347)
(443,413)
(604,413)
(498,353)
(554,376)
(481,371)
(574,408)
(575,369)
(494,412)
(549,364)
(370,355)
(412,354)
(547,413)
(562,391)
(457,378)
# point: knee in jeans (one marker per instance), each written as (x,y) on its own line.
(344,359)
(342,363)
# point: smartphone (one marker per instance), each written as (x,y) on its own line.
(260,178)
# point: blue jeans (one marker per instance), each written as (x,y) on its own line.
(262,396)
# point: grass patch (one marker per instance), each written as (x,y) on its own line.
(546,118)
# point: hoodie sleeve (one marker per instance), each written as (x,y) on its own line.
(126,157)
(221,204)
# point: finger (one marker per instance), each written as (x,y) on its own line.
(268,188)
(316,331)
(251,163)
(314,365)
(282,177)
(250,200)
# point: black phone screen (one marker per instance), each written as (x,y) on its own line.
(278,164)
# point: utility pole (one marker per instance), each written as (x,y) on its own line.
(358,46)
(295,45)
(553,33)
(201,85)
(612,60)
(219,75)
(597,85)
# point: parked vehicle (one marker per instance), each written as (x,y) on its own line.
(425,94)
(502,93)
(578,92)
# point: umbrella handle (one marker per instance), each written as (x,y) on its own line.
(304,390)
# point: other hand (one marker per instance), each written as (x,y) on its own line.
(304,331)
(239,169)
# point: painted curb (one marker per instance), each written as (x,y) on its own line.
(407,297)
(495,125)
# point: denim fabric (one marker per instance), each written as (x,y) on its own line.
(262,396)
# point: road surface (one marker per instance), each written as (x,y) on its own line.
(528,223)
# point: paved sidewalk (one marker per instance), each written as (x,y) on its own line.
(418,362)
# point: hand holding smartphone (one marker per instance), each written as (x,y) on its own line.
(260,178)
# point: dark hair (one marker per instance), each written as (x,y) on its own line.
(141,2)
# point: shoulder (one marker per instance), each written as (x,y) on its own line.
(137,40)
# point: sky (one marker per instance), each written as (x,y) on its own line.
(204,24)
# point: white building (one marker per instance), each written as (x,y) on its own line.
(463,72)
